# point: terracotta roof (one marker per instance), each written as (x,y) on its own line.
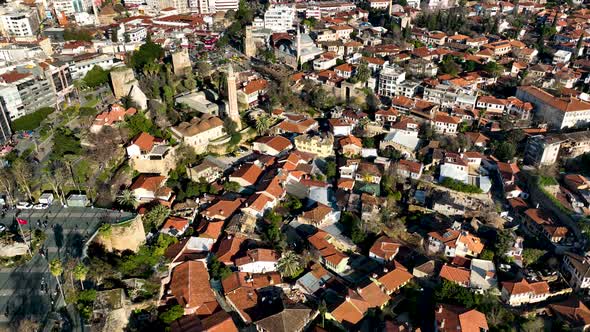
(199,125)
(148,182)
(385,248)
(373,295)
(239,280)
(145,141)
(327,250)
(228,247)
(190,286)
(248,172)
(396,278)
(410,166)
(523,286)
(220,321)
(258,255)
(318,213)
(455,274)
(223,209)
(567,104)
(255,86)
(211,229)
(441,117)
(457,318)
(472,242)
(352,309)
(350,139)
(572,311)
(175,222)
(344,67)
(278,143)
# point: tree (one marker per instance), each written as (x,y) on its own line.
(290,264)
(96,77)
(156,216)
(331,169)
(7,185)
(23,175)
(204,69)
(232,186)
(533,325)
(323,309)
(320,99)
(190,83)
(56,175)
(503,242)
(27,325)
(230,126)
(487,255)
(80,272)
(505,151)
(65,142)
(148,52)
(56,270)
(262,124)
(172,314)
(531,255)
(362,72)
(217,269)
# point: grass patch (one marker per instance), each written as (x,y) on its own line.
(545,181)
(460,186)
(32,121)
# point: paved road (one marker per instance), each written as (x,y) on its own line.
(21,291)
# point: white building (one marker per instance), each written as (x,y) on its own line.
(454,167)
(22,23)
(79,69)
(279,17)
(565,112)
(562,56)
(224,5)
(136,35)
(579,270)
(390,80)
(258,261)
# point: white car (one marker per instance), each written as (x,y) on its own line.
(40,206)
(24,205)
(2,228)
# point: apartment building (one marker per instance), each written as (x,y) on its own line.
(25,90)
(392,82)
(19,23)
(279,17)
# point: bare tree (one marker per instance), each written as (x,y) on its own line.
(55,174)
(7,185)
(23,175)
(27,325)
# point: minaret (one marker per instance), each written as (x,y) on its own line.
(232,96)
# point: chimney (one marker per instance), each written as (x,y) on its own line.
(442,324)
(440,309)
(385,270)
(347,298)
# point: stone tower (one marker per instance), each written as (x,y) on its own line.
(249,46)
(122,79)
(233,113)
(181,62)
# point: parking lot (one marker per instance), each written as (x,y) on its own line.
(22,294)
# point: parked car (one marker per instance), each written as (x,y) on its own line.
(2,228)
(40,206)
(23,205)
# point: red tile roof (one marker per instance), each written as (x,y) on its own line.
(190,286)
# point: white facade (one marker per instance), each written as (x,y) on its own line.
(14,104)
(390,80)
(225,5)
(136,35)
(454,171)
(442,127)
(20,24)
(81,68)
(279,18)
(562,56)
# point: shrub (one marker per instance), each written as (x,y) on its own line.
(460,186)
(32,121)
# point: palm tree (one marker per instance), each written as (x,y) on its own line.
(127,198)
(289,265)
(80,273)
(262,124)
(56,270)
